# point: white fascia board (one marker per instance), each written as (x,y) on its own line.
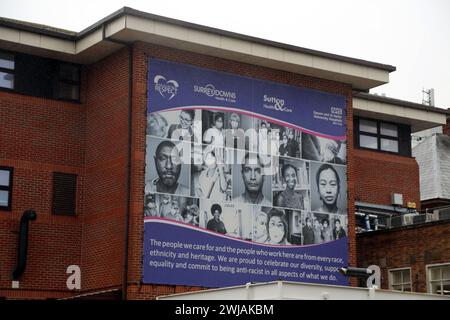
(181,37)
(396,111)
(35,40)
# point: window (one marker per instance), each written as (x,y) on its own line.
(382,136)
(439,279)
(6,175)
(68,87)
(39,76)
(400,279)
(64,193)
(7,70)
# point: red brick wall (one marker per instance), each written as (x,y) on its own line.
(412,246)
(105,172)
(142,51)
(378,175)
(38,137)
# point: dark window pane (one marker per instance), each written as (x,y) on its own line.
(6,80)
(64,193)
(68,91)
(6,61)
(69,72)
(35,75)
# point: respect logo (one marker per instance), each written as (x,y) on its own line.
(166,88)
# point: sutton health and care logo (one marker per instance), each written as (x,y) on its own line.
(275,103)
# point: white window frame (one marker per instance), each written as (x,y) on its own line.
(428,268)
(390,271)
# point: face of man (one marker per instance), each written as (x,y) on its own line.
(308,223)
(185,120)
(325,224)
(253,177)
(168,165)
(276,229)
(290,176)
(328,187)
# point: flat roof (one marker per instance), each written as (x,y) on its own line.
(70,35)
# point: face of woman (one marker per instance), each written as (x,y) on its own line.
(290,176)
(219,123)
(328,187)
(216,215)
(185,120)
(276,229)
(234,123)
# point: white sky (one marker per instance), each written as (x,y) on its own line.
(413,35)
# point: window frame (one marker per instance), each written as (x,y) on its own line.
(56,83)
(402,284)
(54,209)
(428,268)
(61,80)
(402,151)
(10,71)
(8,188)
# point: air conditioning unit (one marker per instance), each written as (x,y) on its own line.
(397,199)
(407,219)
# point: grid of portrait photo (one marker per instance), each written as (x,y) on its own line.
(245,177)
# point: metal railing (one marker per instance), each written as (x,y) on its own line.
(371,222)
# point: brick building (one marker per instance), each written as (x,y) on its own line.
(73,109)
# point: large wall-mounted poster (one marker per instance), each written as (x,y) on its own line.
(245,180)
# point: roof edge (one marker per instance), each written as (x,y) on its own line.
(38,28)
(69,35)
(404,103)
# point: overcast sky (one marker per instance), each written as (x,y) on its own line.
(413,35)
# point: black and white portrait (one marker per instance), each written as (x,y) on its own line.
(252,177)
(167,166)
(234,220)
(323,149)
(328,188)
(211,174)
(290,184)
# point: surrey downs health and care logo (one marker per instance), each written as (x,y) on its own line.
(166,88)
(211,91)
(275,103)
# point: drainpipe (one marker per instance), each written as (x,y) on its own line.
(129,150)
(27,216)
